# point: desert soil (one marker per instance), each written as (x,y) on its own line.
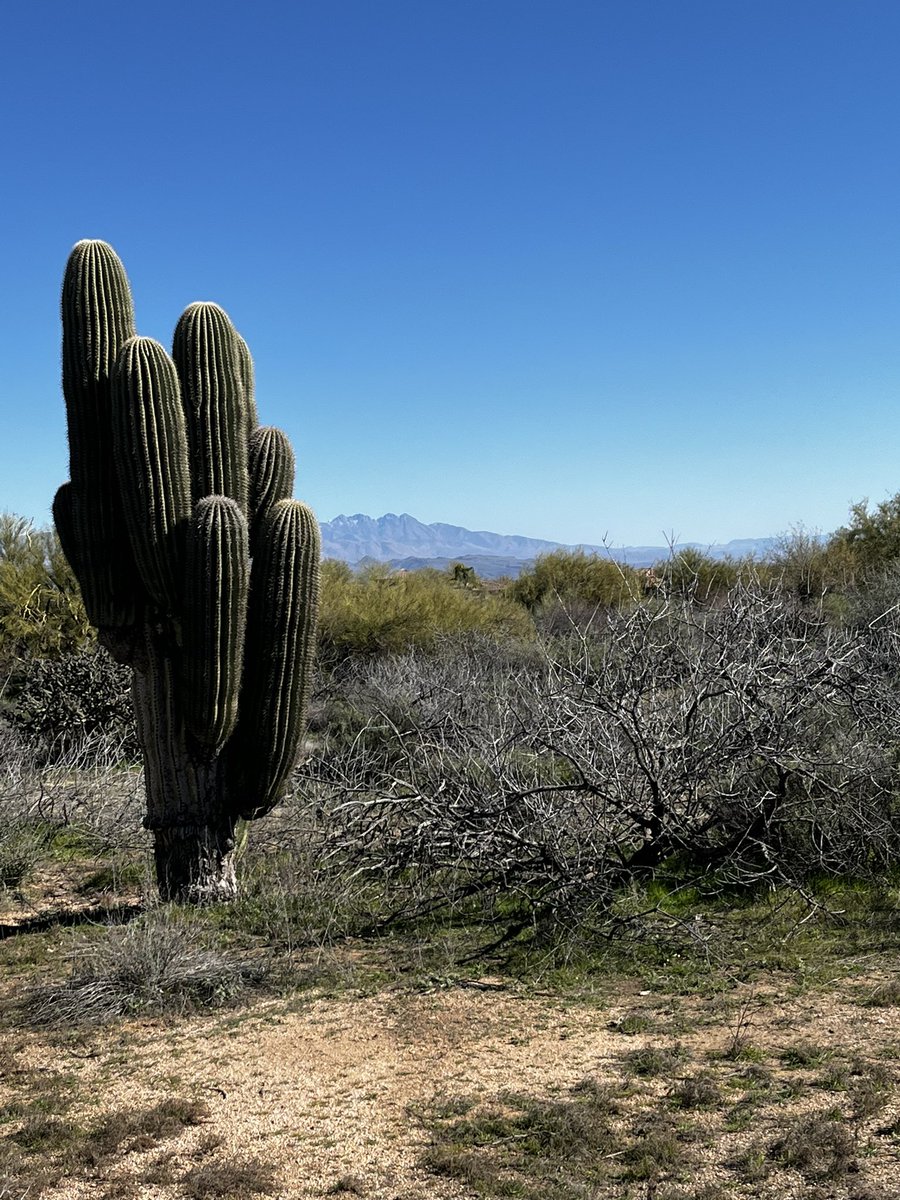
(327,1089)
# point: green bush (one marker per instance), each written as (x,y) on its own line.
(41,611)
(62,704)
(690,572)
(872,537)
(571,576)
(809,566)
(381,611)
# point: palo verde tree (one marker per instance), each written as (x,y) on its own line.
(197,568)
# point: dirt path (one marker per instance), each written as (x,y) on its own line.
(326,1091)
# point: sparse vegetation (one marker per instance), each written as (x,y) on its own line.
(229,1179)
(46,1149)
(688,789)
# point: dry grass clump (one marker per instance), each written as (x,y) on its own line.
(696,1091)
(529,1147)
(805,1054)
(652,1061)
(555,1149)
(658,1149)
(154,965)
(229,1179)
(885,996)
(346,1185)
(819,1147)
(22,845)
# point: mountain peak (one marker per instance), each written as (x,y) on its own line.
(392,538)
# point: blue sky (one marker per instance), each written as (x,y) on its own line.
(561,268)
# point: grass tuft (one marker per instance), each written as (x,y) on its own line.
(229,1179)
(155,965)
(697,1091)
(819,1147)
(652,1061)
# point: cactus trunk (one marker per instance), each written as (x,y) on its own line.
(186,790)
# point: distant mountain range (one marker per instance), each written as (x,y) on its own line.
(405,542)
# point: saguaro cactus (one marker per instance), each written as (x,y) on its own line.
(178,524)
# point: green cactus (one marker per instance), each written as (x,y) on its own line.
(98,316)
(248,383)
(167,466)
(271,471)
(284,593)
(206,353)
(151,453)
(215,618)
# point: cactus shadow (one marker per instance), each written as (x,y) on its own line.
(70,918)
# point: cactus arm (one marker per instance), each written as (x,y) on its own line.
(151,452)
(97,317)
(215,614)
(271,471)
(281,623)
(206,356)
(248,382)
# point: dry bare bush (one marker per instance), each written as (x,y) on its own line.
(751,741)
(87,791)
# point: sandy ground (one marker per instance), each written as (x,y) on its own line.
(326,1089)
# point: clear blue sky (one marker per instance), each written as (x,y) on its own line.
(563,268)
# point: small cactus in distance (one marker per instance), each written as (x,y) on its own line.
(174,486)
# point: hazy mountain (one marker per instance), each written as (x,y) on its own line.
(404,541)
(383,538)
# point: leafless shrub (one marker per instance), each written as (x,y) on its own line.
(743,743)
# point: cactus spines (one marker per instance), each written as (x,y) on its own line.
(248,382)
(64,520)
(284,591)
(97,316)
(151,452)
(205,351)
(155,523)
(271,470)
(215,614)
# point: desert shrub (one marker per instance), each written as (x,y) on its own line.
(746,742)
(689,572)
(573,578)
(872,604)
(873,537)
(862,555)
(810,566)
(65,703)
(41,610)
(157,964)
(380,611)
(378,701)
